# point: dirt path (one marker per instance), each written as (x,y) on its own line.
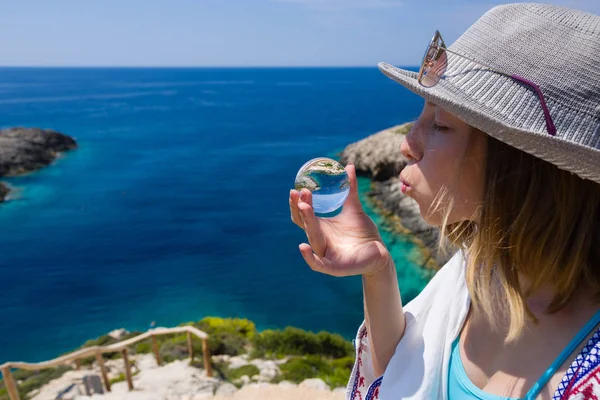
(275,392)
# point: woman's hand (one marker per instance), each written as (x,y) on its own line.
(347,244)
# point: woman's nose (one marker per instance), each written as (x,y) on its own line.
(409,147)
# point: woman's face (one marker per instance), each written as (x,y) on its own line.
(443,152)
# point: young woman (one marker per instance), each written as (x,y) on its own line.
(505,159)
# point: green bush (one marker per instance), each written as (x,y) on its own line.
(143,347)
(334,345)
(240,326)
(344,363)
(342,368)
(300,368)
(221,370)
(227,335)
(237,373)
(173,350)
(335,373)
(100,341)
(295,341)
(338,378)
(119,378)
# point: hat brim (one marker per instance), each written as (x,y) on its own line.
(580,160)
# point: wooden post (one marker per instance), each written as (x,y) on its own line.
(100,362)
(206,355)
(155,349)
(78,364)
(190,346)
(127,369)
(9,382)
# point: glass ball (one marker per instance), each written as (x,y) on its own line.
(328,182)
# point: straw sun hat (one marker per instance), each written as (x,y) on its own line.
(527,74)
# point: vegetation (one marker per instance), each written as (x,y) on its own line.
(105,340)
(312,355)
(28,381)
(233,375)
(404,128)
(334,372)
(295,341)
(121,377)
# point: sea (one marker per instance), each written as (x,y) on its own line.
(175,205)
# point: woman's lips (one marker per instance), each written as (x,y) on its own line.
(404,186)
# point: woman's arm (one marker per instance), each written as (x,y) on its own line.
(384,315)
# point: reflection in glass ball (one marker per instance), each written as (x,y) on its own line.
(328,182)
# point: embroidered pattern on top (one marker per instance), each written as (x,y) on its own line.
(583,375)
(359,379)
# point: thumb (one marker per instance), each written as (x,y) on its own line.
(353,201)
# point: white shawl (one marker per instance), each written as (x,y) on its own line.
(419,367)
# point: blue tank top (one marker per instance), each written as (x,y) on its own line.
(460,386)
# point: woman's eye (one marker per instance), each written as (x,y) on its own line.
(439,128)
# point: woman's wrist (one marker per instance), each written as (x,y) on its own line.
(383,270)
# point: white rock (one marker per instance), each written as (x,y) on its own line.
(286,384)
(244,379)
(226,390)
(237,362)
(268,369)
(221,357)
(261,378)
(314,383)
(339,390)
(118,333)
(282,360)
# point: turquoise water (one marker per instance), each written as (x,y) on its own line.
(175,207)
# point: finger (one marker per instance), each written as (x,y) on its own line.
(306,196)
(312,227)
(353,201)
(294,211)
(314,262)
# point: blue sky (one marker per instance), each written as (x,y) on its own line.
(232,32)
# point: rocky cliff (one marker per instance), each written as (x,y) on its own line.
(28,149)
(378,157)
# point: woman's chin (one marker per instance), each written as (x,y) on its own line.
(434,219)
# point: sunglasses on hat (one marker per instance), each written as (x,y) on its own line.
(435,63)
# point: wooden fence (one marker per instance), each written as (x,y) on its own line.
(98,351)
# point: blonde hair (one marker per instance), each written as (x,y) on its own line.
(537,222)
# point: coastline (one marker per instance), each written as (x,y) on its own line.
(403,240)
(24,150)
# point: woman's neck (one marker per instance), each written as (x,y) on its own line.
(581,304)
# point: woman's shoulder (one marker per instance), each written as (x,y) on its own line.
(448,281)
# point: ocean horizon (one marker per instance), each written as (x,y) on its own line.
(200,67)
(174,206)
